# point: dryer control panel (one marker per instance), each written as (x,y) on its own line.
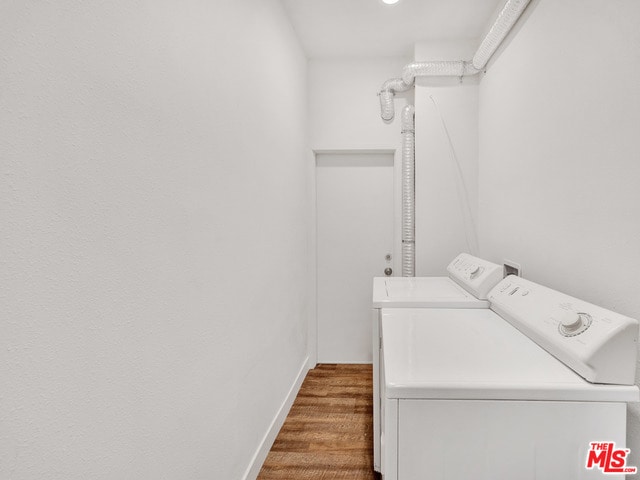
(598,344)
(475,275)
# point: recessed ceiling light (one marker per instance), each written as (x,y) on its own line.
(390,2)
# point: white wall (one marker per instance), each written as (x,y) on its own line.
(446,207)
(559,163)
(154,235)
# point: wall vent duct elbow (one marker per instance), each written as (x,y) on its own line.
(387,93)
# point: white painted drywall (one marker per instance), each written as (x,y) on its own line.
(444,218)
(153,247)
(559,162)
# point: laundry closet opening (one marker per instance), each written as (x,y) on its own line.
(355,242)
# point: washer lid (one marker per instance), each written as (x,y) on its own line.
(422,292)
(475,354)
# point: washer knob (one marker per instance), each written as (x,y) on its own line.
(574,323)
(571,321)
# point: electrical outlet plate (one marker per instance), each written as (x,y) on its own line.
(511,268)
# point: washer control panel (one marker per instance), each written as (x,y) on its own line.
(475,275)
(598,344)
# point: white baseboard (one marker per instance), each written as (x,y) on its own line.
(267,441)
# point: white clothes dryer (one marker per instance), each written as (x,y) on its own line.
(523,390)
(467,285)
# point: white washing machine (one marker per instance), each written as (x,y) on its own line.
(467,285)
(517,391)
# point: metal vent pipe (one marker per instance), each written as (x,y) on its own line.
(503,24)
(505,21)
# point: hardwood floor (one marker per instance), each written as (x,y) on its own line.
(328,432)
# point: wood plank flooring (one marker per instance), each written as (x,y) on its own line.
(328,432)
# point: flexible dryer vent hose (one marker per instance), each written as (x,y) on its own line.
(408,192)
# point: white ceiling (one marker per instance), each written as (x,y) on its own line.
(369,28)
